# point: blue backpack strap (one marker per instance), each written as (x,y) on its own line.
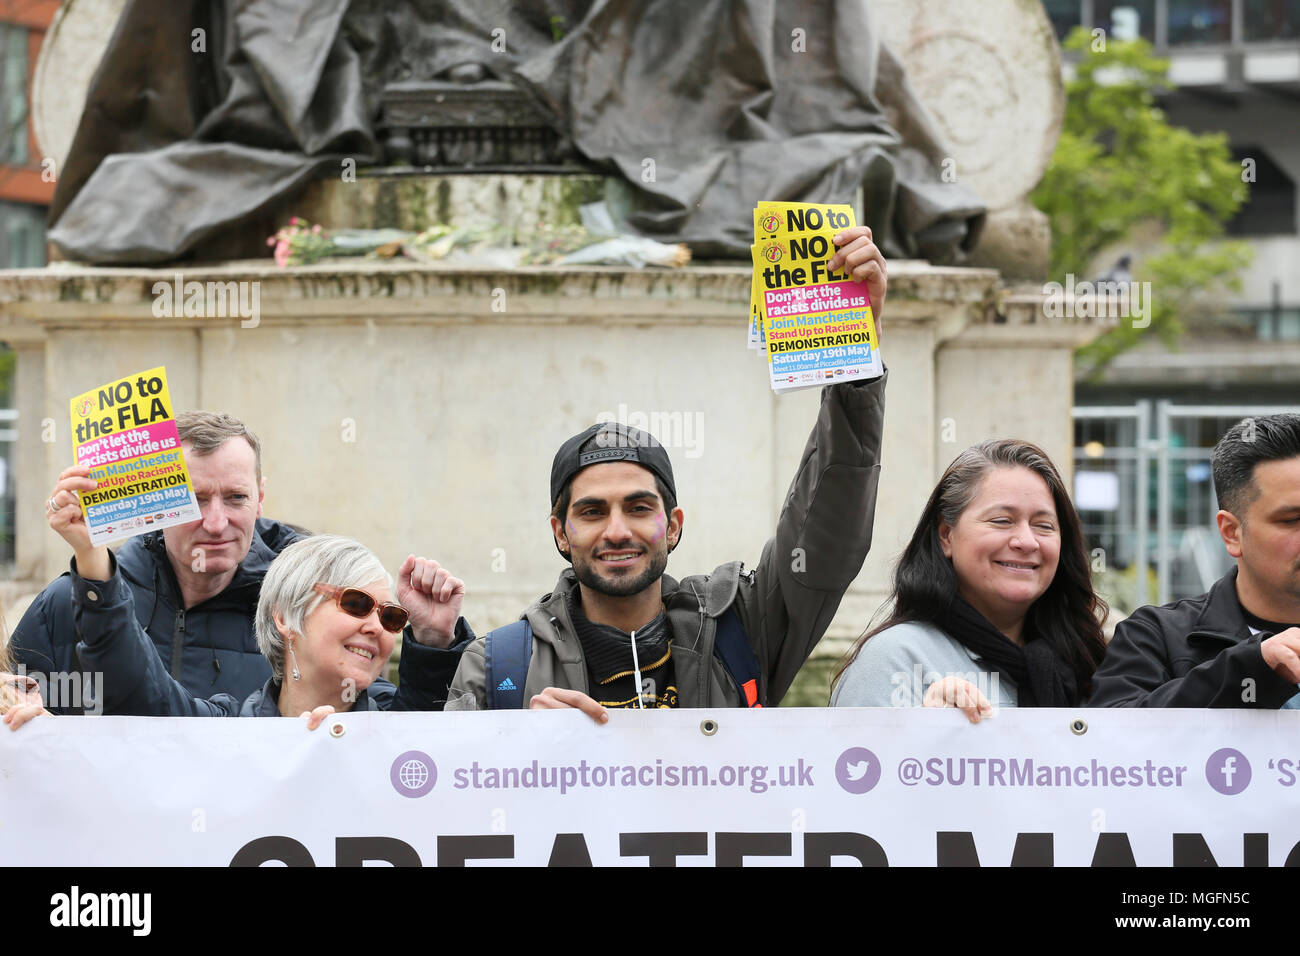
(507,652)
(738,657)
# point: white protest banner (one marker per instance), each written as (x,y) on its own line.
(691,788)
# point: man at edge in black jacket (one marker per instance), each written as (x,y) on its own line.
(1238,645)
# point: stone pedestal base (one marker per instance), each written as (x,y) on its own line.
(418,408)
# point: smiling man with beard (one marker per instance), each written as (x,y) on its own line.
(618,632)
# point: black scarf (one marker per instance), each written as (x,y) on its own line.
(1042,679)
(608,653)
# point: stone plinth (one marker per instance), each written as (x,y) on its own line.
(414,203)
(417,408)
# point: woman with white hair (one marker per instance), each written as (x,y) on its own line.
(327,621)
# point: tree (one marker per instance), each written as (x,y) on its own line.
(1119,164)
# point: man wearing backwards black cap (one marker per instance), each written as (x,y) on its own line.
(618,632)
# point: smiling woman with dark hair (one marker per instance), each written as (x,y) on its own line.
(992,600)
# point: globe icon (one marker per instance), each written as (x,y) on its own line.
(413,774)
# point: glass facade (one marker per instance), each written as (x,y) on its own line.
(22,243)
(1145,496)
(22,236)
(1126,19)
(1274,325)
(1064,14)
(13,95)
(1271,20)
(1188,22)
(1197,22)
(1270,208)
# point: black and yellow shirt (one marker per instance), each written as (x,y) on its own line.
(610,670)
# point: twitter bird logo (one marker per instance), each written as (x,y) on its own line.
(857,770)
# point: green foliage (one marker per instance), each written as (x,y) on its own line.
(8,360)
(1118,587)
(812,685)
(1118,165)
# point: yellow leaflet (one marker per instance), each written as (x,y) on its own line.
(130,402)
(755,304)
(817,323)
(773,219)
(126,434)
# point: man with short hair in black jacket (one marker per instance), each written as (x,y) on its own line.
(1238,645)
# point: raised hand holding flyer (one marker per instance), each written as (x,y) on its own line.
(815,326)
(125,431)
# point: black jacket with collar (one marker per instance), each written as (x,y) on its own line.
(209,648)
(425,674)
(425,671)
(135,681)
(1197,652)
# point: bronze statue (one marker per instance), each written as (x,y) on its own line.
(699,109)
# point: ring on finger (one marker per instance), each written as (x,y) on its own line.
(50,506)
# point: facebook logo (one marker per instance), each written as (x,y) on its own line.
(1228,771)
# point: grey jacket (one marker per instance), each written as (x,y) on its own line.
(785,604)
(897,666)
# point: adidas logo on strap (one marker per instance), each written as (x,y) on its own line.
(506,684)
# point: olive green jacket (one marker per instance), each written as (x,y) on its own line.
(785,603)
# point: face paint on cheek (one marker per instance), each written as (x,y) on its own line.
(660,528)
